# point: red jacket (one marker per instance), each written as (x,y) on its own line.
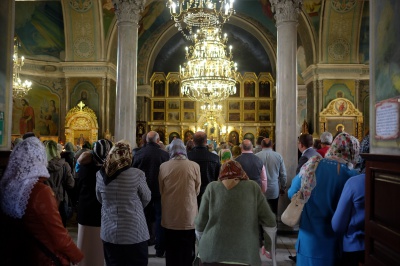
(43,221)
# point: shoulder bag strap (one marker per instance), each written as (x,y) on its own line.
(46,251)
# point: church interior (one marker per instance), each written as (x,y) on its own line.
(346,66)
(70,52)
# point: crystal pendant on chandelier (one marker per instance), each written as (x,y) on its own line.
(209,75)
(20,89)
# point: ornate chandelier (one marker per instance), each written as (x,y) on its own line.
(20,89)
(209,75)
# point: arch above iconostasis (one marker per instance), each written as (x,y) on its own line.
(81,125)
(342,112)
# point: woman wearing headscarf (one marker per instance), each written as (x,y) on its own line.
(60,178)
(69,154)
(321,182)
(89,208)
(32,210)
(226,155)
(123,193)
(229,216)
(180,181)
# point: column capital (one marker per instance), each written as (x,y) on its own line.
(129,10)
(286,10)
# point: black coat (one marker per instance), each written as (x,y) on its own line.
(209,166)
(148,159)
(89,208)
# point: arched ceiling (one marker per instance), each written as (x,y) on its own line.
(248,52)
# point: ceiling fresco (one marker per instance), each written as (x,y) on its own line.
(40,28)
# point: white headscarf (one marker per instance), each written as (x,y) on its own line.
(27,163)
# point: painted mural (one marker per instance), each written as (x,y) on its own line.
(364,35)
(40,27)
(108,14)
(38,112)
(387,51)
(86,92)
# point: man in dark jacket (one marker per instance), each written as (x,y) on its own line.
(148,159)
(208,162)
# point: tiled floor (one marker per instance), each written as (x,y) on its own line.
(284,248)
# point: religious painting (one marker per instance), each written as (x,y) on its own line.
(41,30)
(264,89)
(348,125)
(158,104)
(264,117)
(249,105)
(188,135)
(264,105)
(234,117)
(174,104)
(85,92)
(234,138)
(188,105)
(234,105)
(159,88)
(188,116)
(248,117)
(158,116)
(140,128)
(172,136)
(249,89)
(173,88)
(173,116)
(37,112)
(249,136)
(341,106)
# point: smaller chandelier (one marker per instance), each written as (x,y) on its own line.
(209,75)
(20,89)
(212,112)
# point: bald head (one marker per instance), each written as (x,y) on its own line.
(152,136)
(247,145)
(200,138)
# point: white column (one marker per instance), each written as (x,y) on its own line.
(286,14)
(128,16)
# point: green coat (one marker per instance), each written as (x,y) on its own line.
(229,220)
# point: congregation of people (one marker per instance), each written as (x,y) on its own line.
(194,201)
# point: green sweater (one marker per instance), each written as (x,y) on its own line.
(229,220)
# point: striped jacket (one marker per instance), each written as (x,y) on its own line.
(123,201)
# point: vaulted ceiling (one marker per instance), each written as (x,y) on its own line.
(329,32)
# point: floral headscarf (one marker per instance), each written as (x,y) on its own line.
(232,170)
(27,162)
(344,149)
(308,179)
(118,160)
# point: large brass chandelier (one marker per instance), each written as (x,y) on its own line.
(20,89)
(209,75)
